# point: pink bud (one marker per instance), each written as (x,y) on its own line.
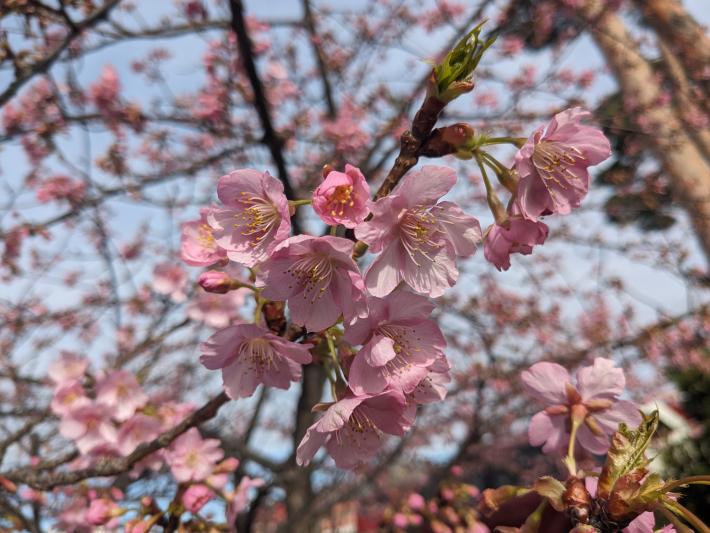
(415,501)
(101,511)
(215,281)
(195,497)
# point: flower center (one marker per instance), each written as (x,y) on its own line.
(204,236)
(257,219)
(258,353)
(341,198)
(313,273)
(552,160)
(419,229)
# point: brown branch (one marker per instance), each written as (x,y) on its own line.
(310,24)
(43,66)
(110,467)
(271,139)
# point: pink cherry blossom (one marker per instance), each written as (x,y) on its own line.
(192,458)
(196,497)
(343,198)
(61,188)
(433,388)
(135,431)
(318,278)
(352,428)
(553,164)
(255,217)
(89,426)
(595,400)
(217,310)
(419,239)
(68,397)
(170,280)
(249,355)
(198,246)
(515,235)
(101,511)
(240,498)
(120,392)
(399,342)
(68,368)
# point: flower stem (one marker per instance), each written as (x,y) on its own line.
(334,230)
(691,480)
(570,461)
(679,526)
(494,203)
(259,307)
(516,141)
(296,203)
(685,513)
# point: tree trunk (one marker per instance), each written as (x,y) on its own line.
(673,147)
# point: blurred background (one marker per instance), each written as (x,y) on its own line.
(118,117)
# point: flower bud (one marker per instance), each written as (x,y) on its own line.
(452,77)
(216,282)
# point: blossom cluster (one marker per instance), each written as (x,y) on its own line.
(384,355)
(110,415)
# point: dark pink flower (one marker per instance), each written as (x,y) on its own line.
(196,497)
(352,428)
(594,402)
(61,188)
(553,164)
(517,235)
(192,458)
(198,246)
(419,239)
(318,278)
(255,217)
(343,198)
(120,392)
(215,281)
(399,342)
(249,355)
(101,511)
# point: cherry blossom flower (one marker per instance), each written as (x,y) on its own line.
(343,198)
(517,235)
(120,392)
(352,428)
(192,458)
(419,239)
(318,277)
(196,497)
(594,403)
(256,216)
(433,388)
(68,368)
(217,310)
(68,397)
(197,245)
(399,342)
(170,280)
(249,355)
(135,431)
(239,499)
(101,511)
(89,426)
(553,164)
(61,188)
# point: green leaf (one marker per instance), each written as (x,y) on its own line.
(627,453)
(552,489)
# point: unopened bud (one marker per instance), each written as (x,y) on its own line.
(216,282)
(453,76)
